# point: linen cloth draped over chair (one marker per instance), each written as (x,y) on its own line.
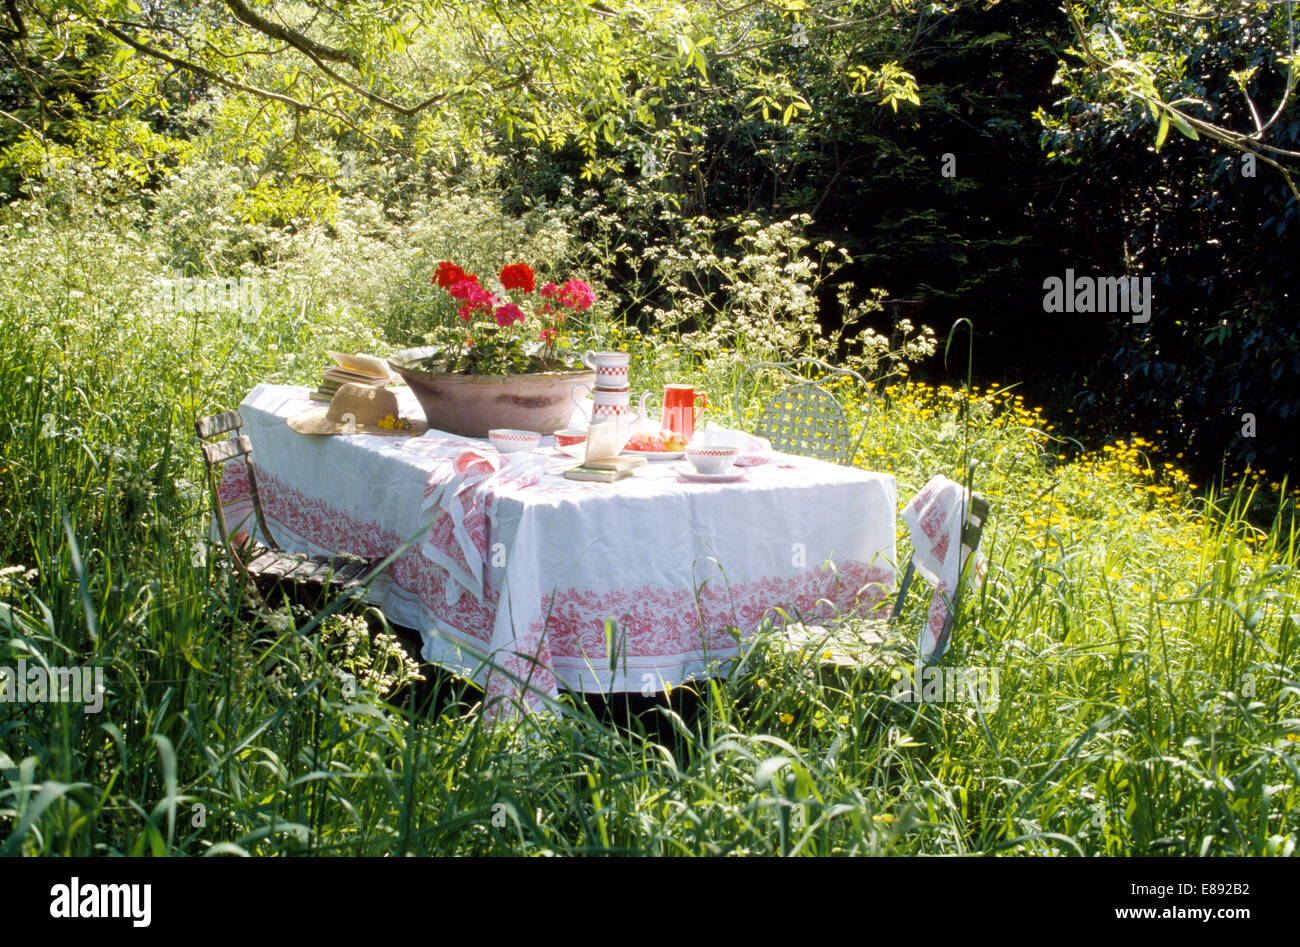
(945,522)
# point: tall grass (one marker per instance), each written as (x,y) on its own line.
(1144,635)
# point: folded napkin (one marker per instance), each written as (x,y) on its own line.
(934,519)
(460,496)
(751,450)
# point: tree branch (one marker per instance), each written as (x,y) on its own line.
(267,95)
(1246,144)
(304,44)
(198,70)
(378,99)
(20,28)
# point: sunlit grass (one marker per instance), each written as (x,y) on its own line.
(1143,629)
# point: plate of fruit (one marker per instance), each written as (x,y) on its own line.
(661,446)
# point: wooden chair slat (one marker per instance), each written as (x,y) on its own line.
(265,562)
(331,568)
(250,554)
(305,569)
(276,566)
(315,570)
(288,566)
(262,565)
(222,451)
(217,424)
(351,573)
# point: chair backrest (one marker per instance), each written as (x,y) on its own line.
(802,417)
(972,529)
(221,439)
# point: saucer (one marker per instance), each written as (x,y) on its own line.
(687,472)
(655,454)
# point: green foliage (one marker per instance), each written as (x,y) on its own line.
(1211,221)
(1181,63)
(1144,637)
(758,300)
(1146,652)
(428,78)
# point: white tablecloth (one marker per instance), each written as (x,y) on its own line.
(587,586)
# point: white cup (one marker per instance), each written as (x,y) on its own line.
(710,460)
(610,368)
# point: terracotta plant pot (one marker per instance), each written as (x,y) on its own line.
(472,405)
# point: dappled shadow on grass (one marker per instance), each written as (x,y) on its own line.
(648,718)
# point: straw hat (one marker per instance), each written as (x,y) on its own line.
(358,409)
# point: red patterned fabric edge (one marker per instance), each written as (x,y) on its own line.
(675,625)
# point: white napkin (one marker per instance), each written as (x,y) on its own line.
(934,519)
(751,450)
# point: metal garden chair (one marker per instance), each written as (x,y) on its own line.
(856,644)
(972,530)
(265,565)
(802,417)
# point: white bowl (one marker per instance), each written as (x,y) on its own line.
(508,441)
(710,459)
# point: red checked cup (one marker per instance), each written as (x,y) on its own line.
(610,368)
(572,441)
(710,461)
(570,437)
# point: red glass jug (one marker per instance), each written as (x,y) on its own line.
(681,412)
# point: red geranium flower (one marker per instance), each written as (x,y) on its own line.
(549,290)
(475,296)
(461,289)
(577,295)
(449,274)
(549,336)
(518,276)
(509,314)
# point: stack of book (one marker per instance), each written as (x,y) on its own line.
(602,460)
(355,369)
(606,470)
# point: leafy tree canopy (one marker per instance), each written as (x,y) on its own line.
(273,82)
(1221,71)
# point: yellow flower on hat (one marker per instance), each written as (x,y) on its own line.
(390,423)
